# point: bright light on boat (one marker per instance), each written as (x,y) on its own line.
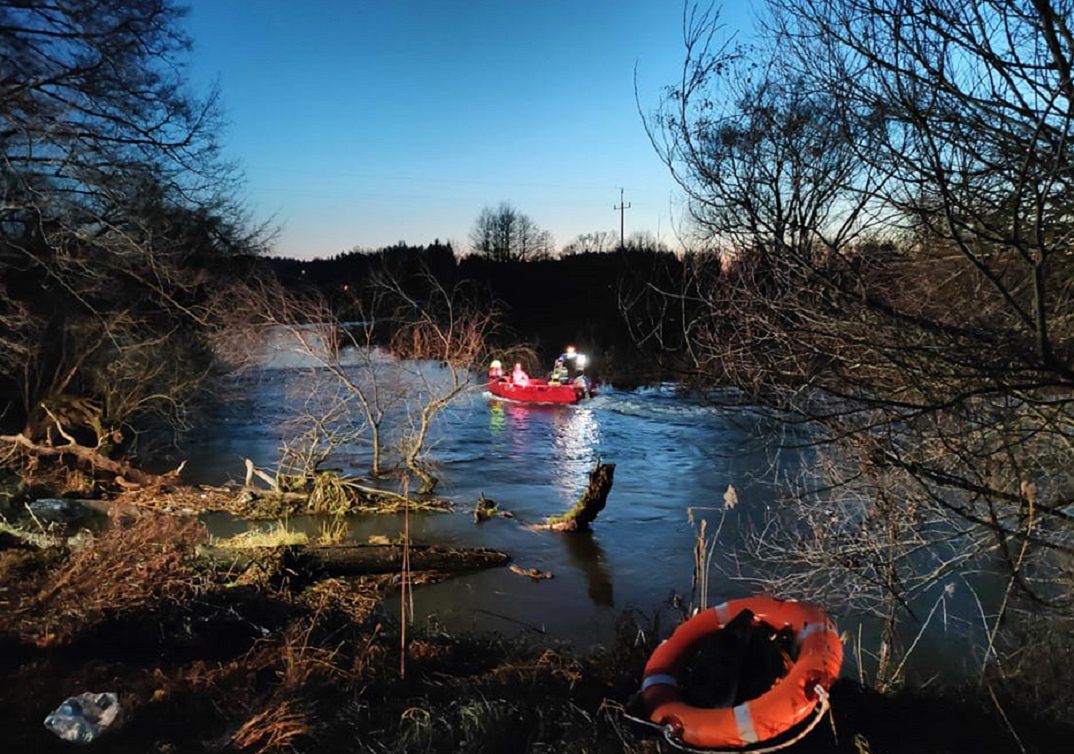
(581,361)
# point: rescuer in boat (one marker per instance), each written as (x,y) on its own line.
(569,368)
(566,367)
(519,376)
(495,370)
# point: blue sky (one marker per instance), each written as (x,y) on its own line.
(365,123)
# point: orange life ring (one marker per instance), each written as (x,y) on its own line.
(790,700)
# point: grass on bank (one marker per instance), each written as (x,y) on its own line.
(274,535)
(264,668)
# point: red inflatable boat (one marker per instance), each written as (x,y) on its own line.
(538,391)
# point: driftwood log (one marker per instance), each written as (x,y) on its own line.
(533,573)
(590,504)
(353,560)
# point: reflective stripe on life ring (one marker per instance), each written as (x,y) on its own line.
(790,700)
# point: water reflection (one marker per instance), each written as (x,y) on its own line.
(518,421)
(575,447)
(519,415)
(586,554)
(496,419)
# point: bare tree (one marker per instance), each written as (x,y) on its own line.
(892,192)
(505,234)
(351,385)
(444,332)
(381,380)
(115,204)
(597,241)
(767,164)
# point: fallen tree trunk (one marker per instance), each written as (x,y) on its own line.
(84,455)
(354,560)
(590,504)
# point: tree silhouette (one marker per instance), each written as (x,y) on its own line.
(505,234)
(116,208)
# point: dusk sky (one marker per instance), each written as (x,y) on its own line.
(367,123)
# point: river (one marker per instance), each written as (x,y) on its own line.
(673,454)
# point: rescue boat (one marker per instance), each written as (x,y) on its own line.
(538,391)
(787,704)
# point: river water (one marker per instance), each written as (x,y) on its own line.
(675,457)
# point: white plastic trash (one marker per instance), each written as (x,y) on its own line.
(82,719)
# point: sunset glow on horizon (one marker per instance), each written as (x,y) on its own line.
(364,124)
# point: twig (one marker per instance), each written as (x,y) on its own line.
(1006,721)
(920,633)
(252,471)
(406,606)
(508,618)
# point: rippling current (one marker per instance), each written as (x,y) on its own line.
(673,454)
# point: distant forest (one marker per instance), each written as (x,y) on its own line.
(596,301)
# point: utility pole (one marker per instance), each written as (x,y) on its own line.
(621,208)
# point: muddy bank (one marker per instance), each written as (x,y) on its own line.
(266,664)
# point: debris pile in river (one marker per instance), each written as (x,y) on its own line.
(264,504)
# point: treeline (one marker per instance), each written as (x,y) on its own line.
(589,299)
(120,233)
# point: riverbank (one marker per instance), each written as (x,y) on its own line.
(263,662)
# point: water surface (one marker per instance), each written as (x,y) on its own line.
(673,454)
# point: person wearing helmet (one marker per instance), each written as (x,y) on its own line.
(565,368)
(495,370)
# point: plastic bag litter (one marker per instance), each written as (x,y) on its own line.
(83,718)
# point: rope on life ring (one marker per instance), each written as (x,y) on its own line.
(670,735)
(790,701)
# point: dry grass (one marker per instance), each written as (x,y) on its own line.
(301,660)
(137,562)
(333,531)
(57,479)
(298,658)
(460,694)
(328,493)
(427,505)
(334,493)
(182,498)
(359,598)
(275,535)
(276,728)
(39,538)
